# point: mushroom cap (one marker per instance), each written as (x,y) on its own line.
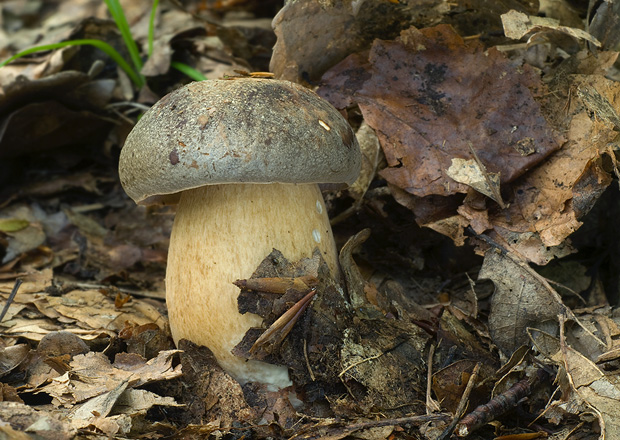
(236,131)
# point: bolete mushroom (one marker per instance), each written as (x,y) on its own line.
(242,158)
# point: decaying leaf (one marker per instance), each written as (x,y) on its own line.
(216,395)
(457,94)
(460,93)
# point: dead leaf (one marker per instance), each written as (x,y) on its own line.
(93,375)
(424,122)
(604,22)
(134,401)
(521,300)
(11,357)
(25,423)
(215,395)
(599,391)
(94,310)
(51,102)
(371,157)
(97,407)
(450,382)
(459,94)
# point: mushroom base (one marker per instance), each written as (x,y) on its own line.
(221,234)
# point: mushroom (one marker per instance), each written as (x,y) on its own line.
(243,159)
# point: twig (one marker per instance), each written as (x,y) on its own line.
(308,361)
(353,427)
(499,405)
(18,282)
(361,361)
(431,405)
(460,409)
(282,326)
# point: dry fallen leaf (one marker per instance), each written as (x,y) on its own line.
(21,421)
(92,375)
(599,391)
(521,300)
(469,173)
(92,309)
(460,93)
(457,94)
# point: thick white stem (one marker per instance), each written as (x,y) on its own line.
(221,234)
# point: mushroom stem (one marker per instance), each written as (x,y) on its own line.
(221,234)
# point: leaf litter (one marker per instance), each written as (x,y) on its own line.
(506,148)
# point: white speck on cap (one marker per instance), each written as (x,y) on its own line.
(316,235)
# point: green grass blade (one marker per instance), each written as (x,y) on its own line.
(138,80)
(121,22)
(152,26)
(187,70)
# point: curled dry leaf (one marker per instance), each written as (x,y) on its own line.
(11,357)
(469,173)
(517,25)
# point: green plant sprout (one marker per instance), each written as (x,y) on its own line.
(102,45)
(134,74)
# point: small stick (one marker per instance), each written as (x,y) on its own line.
(499,405)
(431,405)
(18,282)
(308,361)
(278,284)
(318,431)
(460,409)
(284,324)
